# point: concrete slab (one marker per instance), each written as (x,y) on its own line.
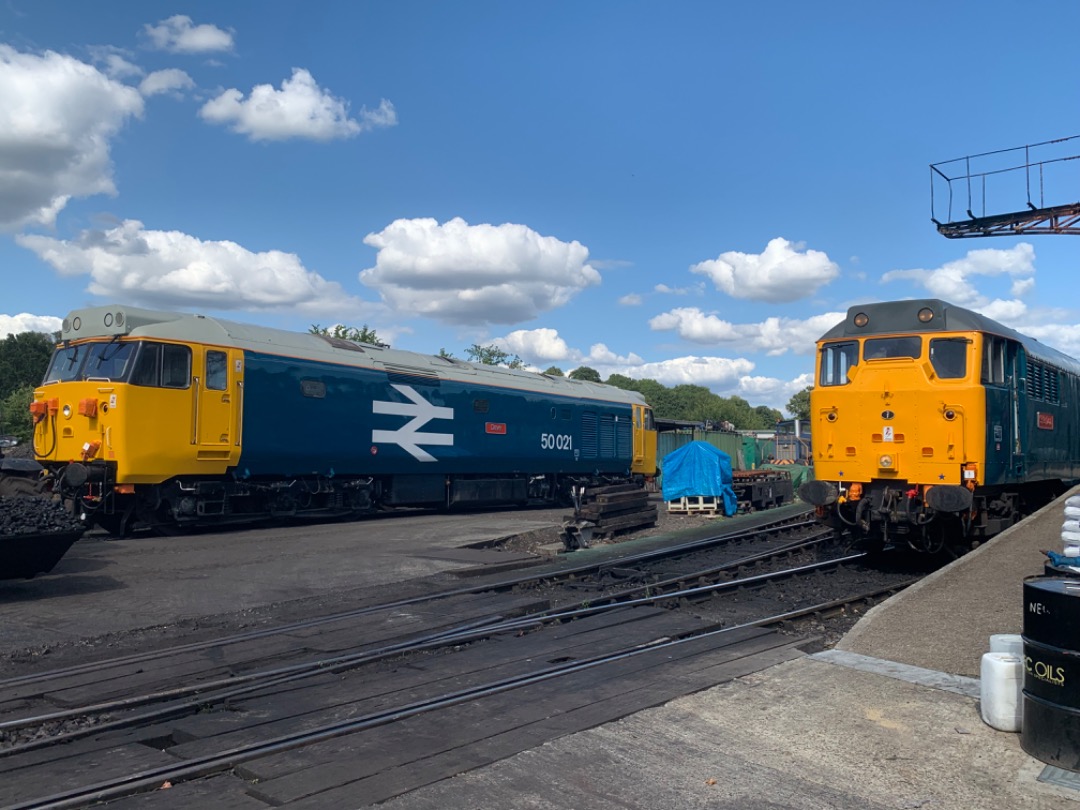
(806,734)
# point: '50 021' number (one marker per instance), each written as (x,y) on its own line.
(556,441)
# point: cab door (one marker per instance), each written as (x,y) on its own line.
(215,416)
(644,442)
(1018,393)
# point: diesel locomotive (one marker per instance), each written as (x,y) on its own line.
(173,420)
(936,427)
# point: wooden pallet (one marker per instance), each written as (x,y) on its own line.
(695,504)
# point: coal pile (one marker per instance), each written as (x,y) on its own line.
(23,516)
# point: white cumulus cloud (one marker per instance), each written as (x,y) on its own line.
(57,116)
(774,335)
(178,34)
(1065,337)
(300,109)
(170,80)
(956,281)
(545,346)
(725,376)
(782,272)
(172,269)
(25,322)
(459,273)
(630,300)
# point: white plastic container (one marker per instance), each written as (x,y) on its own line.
(1009,643)
(1001,687)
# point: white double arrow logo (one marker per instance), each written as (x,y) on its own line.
(407,436)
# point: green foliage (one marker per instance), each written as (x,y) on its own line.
(15,419)
(342,332)
(799,404)
(621,381)
(769,416)
(555,371)
(492,355)
(585,374)
(447,355)
(24,359)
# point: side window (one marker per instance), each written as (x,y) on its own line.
(836,359)
(175,366)
(147,369)
(949,357)
(993,367)
(217,371)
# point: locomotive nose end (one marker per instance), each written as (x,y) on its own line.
(818,493)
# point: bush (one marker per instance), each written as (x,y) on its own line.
(15,417)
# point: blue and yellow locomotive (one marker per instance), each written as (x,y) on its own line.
(938,427)
(173,420)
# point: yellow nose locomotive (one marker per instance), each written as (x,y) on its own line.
(937,427)
(170,420)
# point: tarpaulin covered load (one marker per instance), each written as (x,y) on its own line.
(698,469)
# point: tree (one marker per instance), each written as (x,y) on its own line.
(621,381)
(443,353)
(24,359)
(343,332)
(799,404)
(15,419)
(585,374)
(492,355)
(555,371)
(769,416)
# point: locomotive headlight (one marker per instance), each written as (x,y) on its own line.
(885,462)
(862,319)
(67,411)
(926,315)
(950,414)
(831,416)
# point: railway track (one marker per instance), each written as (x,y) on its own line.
(500,648)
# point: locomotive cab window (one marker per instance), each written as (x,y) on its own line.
(216,371)
(949,357)
(888,348)
(162,365)
(65,364)
(836,359)
(108,361)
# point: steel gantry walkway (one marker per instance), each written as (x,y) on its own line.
(1009,175)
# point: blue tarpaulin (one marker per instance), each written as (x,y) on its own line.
(698,469)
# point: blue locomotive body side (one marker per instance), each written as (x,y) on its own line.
(305,417)
(1033,425)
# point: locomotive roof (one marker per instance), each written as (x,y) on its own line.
(891,317)
(123,321)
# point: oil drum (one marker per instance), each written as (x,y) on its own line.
(1051,697)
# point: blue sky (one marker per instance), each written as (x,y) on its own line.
(685,191)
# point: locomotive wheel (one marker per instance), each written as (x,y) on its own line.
(164,524)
